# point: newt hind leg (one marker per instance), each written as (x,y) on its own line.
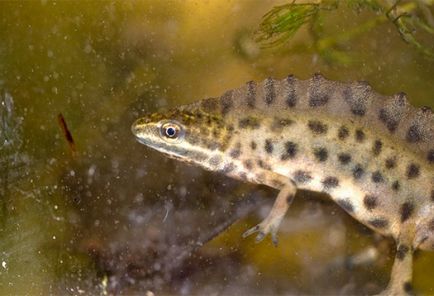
(402,271)
(270,224)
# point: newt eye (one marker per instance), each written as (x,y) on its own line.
(171,130)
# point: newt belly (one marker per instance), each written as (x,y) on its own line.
(373,154)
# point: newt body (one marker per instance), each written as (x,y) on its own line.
(374,155)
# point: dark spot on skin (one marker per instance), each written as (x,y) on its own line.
(279,123)
(377,177)
(379,222)
(207,121)
(289,199)
(253,145)
(291,97)
(427,110)
(199,115)
(343,133)
(317,127)
(330,182)
(358,171)
(270,94)
(370,202)
(204,131)
(318,100)
(263,165)
(344,158)
(401,98)
(249,122)
(414,134)
(213,145)
(248,164)
(317,96)
(209,105)
(401,252)
(236,152)
(302,177)
(390,163)
(268,146)
(358,110)
(228,168)
(357,107)
(432,195)
(216,132)
(408,288)
(388,121)
(321,154)
(226,102)
(290,150)
(376,149)
(285,122)
(360,136)
(251,94)
(346,205)
(396,186)
(215,160)
(406,211)
(413,171)
(430,156)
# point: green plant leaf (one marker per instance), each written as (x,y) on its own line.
(281,23)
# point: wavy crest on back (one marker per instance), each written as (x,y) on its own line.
(391,115)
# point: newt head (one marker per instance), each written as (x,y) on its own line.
(188,136)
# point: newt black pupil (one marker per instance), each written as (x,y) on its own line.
(170,132)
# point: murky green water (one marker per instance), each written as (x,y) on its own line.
(117,218)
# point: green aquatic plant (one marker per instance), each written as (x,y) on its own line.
(282,22)
(412,19)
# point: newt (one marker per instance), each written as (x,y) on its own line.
(372,154)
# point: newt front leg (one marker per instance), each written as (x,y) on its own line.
(270,224)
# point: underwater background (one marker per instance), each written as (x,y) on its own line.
(104,215)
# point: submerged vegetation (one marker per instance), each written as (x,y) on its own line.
(412,19)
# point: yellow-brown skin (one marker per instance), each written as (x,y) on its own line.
(372,154)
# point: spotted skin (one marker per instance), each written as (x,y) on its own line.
(373,155)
